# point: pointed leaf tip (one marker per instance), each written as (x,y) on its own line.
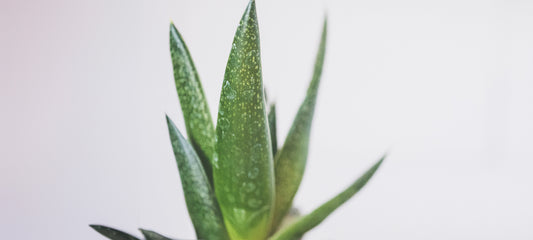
(249,13)
(151,235)
(251,5)
(291,159)
(112,233)
(198,122)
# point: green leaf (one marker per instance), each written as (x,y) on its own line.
(291,159)
(151,235)
(112,233)
(193,103)
(309,221)
(243,170)
(199,196)
(272,126)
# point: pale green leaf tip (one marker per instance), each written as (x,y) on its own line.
(383,157)
(170,123)
(174,33)
(378,164)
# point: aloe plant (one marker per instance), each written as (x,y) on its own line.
(237,184)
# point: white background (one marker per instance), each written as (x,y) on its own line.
(444,86)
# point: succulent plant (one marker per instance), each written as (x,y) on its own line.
(236,183)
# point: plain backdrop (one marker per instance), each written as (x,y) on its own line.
(445,87)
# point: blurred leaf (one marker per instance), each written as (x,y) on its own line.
(112,233)
(292,215)
(272,126)
(151,235)
(199,196)
(309,221)
(243,171)
(291,159)
(193,103)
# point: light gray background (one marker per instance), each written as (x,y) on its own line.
(444,86)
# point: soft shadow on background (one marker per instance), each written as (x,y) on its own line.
(444,86)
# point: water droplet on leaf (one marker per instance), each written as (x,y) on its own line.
(254,203)
(252,174)
(249,187)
